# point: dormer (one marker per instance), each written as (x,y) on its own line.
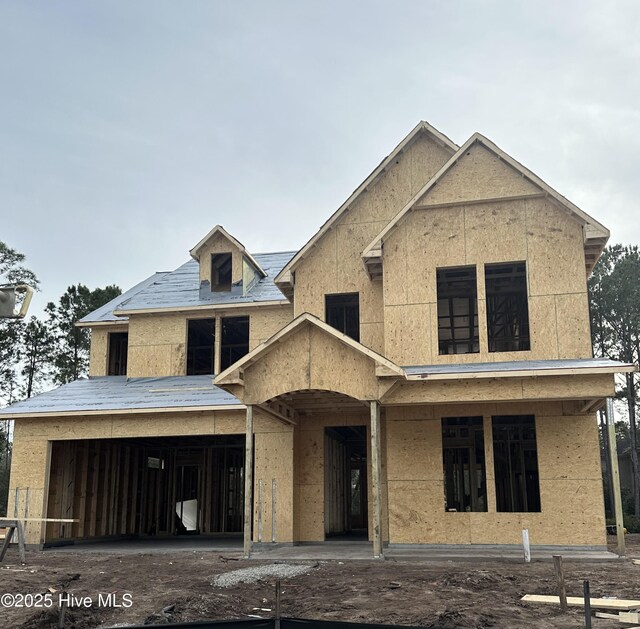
(225,265)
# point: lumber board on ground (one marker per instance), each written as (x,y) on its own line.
(618,604)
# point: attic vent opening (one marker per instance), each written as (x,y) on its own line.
(221,272)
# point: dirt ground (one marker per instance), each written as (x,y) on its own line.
(441,595)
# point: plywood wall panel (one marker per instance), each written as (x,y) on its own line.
(408,335)
(555,246)
(574,326)
(265,322)
(478,175)
(414,450)
(496,232)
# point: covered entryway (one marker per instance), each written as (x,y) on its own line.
(160,486)
(312,377)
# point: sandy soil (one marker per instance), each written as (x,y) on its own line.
(438,595)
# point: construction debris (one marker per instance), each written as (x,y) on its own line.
(578,601)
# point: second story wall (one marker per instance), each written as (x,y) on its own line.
(466,233)
(158,342)
(334,265)
(99,352)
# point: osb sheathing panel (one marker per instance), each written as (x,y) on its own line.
(574,326)
(132,425)
(372,336)
(265,322)
(478,175)
(220,244)
(157,346)
(408,334)
(307,360)
(568,448)
(555,246)
(334,265)
(407,458)
(496,232)
(274,460)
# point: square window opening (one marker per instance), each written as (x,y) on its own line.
(457,310)
(507,307)
(342,312)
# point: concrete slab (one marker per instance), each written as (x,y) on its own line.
(150,545)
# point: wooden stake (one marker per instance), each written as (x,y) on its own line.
(562,591)
(277,619)
(587,605)
(615,477)
(273,509)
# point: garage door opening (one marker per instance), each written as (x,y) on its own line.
(345,473)
(160,486)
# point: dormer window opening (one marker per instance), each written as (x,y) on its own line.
(221,272)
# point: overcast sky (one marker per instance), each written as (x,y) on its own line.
(129,129)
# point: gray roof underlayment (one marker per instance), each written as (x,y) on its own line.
(517,365)
(181,288)
(107,394)
(105,313)
(113,394)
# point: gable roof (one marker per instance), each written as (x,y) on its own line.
(596,234)
(283,279)
(291,328)
(218,229)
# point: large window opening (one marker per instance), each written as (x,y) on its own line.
(342,311)
(235,340)
(118,346)
(515,457)
(457,310)
(200,347)
(507,307)
(221,265)
(465,479)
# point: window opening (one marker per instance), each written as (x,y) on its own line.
(515,459)
(457,310)
(507,307)
(465,479)
(342,311)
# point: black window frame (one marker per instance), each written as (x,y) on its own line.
(342,312)
(507,303)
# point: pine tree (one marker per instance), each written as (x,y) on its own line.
(71,352)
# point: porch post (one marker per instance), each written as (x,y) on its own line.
(615,477)
(248,481)
(376,473)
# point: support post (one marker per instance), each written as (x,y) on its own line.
(376,474)
(248,482)
(615,477)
